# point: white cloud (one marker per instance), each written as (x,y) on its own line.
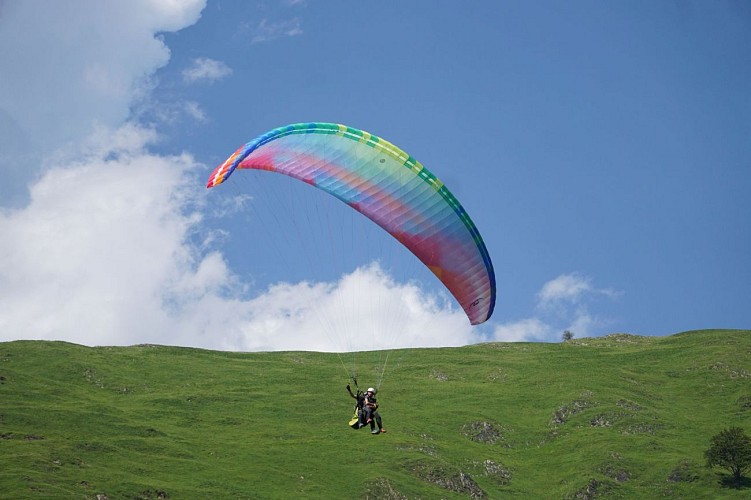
(582,323)
(204,69)
(88,257)
(525,330)
(570,289)
(365,310)
(69,68)
(267,31)
(175,112)
(563,303)
(567,287)
(193,109)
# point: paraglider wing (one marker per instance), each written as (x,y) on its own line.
(389,187)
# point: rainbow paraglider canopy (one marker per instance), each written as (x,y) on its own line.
(389,187)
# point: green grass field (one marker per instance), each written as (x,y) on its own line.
(616,417)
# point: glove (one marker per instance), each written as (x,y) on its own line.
(349,388)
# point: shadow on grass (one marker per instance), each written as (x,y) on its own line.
(733,483)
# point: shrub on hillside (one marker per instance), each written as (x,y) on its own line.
(731,450)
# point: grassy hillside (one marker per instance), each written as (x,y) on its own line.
(618,416)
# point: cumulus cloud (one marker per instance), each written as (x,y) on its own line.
(364,310)
(88,257)
(207,70)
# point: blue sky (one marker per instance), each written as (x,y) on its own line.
(603,149)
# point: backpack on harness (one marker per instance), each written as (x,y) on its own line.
(358,417)
(355,421)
